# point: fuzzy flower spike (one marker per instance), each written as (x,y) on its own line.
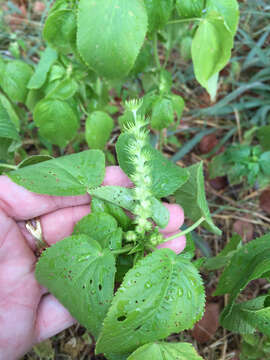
(141,177)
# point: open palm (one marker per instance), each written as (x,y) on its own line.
(28,314)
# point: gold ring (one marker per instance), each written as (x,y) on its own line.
(33,226)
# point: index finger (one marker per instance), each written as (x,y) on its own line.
(21,204)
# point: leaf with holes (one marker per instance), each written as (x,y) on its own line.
(68,175)
(111,34)
(99,226)
(165,351)
(166,176)
(161,295)
(191,196)
(80,274)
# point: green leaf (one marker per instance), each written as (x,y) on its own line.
(56,120)
(225,255)
(263,135)
(162,113)
(60,30)
(68,175)
(98,128)
(100,227)
(64,90)
(10,110)
(47,59)
(162,294)
(264,162)
(248,316)
(228,9)
(80,274)
(178,104)
(15,79)
(210,58)
(191,196)
(218,166)
(34,159)
(252,260)
(7,128)
(124,198)
(165,351)
(189,9)
(166,176)
(111,50)
(159,12)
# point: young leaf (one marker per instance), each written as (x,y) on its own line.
(189,9)
(60,31)
(159,12)
(191,196)
(80,274)
(110,34)
(98,226)
(165,351)
(264,162)
(228,9)
(210,58)
(166,176)
(98,128)
(64,90)
(56,120)
(15,79)
(7,128)
(162,294)
(162,113)
(47,59)
(124,198)
(69,175)
(9,107)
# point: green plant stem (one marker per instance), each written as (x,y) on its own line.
(179,21)
(187,231)
(155,42)
(7,166)
(123,250)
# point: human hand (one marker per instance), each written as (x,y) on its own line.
(28,314)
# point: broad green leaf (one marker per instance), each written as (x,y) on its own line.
(210,58)
(252,260)
(159,12)
(98,128)
(191,196)
(64,90)
(60,31)
(80,274)
(15,79)
(162,113)
(47,59)
(165,351)
(263,135)
(116,195)
(110,34)
(228,9)
(189,9)
(124,198)
(7,128)
(68,175)
(33,98)
(98,226)
(247,317)
(56,120)
(162,294)
(178,104)
(166,176)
